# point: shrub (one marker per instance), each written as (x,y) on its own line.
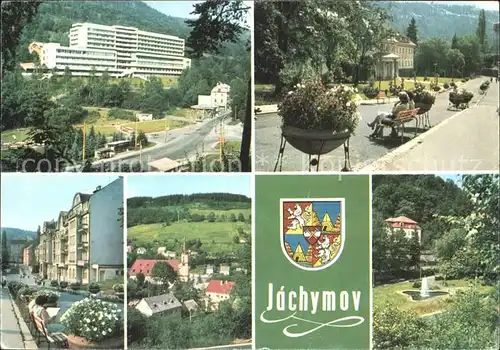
(92,319)
(334,109)
(423,97)
(446,85)
(436,88)
(439,278)
(118,113)
(118,288)
(135,325)
(25,293)
(52,297)
(54,283)
(417,284)
(63,284)
(452,84)
(74,285)
(94,288)
(15,286)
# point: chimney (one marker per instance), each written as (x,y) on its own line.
(98,188)
(221,283)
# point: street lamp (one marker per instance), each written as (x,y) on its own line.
(435,73)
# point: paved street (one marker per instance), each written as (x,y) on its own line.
(363,150)
(468,141)
(10,333)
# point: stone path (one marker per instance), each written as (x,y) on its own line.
(10,332)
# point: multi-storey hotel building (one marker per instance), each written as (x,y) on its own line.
(122,51)
(85,244)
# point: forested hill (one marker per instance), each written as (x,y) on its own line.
(439,20)
(421,198)
(16,233)
(212,200)
(54,19)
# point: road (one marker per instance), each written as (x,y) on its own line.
(180,143)
(363,150)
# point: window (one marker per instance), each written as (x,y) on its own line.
(133,270)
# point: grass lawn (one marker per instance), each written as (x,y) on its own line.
(108,284)
(107,127)
(230,146)
(215,236)
(20,135)
(228,212)
(187,113)
(391,293)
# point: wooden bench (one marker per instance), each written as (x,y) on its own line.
(381,96)
(42,334)
(401,119)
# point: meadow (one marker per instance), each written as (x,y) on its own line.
(215,236)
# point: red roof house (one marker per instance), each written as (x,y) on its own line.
(403,222)
(145,266)
(219,287)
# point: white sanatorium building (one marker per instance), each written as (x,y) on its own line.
(123,51)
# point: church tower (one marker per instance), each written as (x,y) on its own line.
(184,264)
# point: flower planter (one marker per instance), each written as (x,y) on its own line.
(313,142)
(371,95)
(423,107)
(76,342)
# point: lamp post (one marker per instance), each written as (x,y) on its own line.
(435,73)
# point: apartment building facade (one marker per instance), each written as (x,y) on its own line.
(85,244)
(398,54)
(121,51)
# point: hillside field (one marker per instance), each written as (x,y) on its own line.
(220,232)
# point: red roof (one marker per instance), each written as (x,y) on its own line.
(219,287)
(145,266)
(403,222)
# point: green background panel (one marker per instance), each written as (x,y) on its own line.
(351,272)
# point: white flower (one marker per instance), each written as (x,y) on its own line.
(290,92)
(348,104)
(104,333)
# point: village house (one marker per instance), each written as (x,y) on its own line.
(165,253)
(409,226)
(130,249)
(225,270)
(191,307)
(145,266)
(210,270)
(165,303)
(216,292)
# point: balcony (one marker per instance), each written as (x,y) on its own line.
(83,245)
(82,263)
(83,227)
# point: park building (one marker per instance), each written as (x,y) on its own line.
(121,51)
(85,244)
(409,226)
(397,57)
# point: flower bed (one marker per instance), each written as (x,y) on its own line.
(458,98)
(311,106)
(423,99)
(93,320)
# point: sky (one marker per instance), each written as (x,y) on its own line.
(180,9)
(162,185)
(28,200)
(455,177)
(487,5)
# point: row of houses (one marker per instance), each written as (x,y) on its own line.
(85,243)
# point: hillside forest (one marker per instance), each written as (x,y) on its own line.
(51,107)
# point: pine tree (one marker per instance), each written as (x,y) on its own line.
(481,30)
(5,250)
(454,41)
(412,31)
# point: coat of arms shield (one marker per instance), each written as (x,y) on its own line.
(312,231)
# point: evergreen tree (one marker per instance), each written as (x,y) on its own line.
(412,31)
(5,250)
(481,30)
(454,41)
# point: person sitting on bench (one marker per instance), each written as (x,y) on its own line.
(387,118)
(39,310)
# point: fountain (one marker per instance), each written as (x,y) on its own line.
(424,291)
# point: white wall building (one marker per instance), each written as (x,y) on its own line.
(122,51)
(409,226)
(219,95)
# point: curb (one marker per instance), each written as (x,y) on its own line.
(408,146)
(29,342)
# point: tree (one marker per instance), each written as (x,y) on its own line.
(211,217)
(5,250)
(232,217)
(454,41)
(15,16)
(457,61)
(140,278)
(412,31)
(241,218)
(481,31)
(219,22)
(164,273)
